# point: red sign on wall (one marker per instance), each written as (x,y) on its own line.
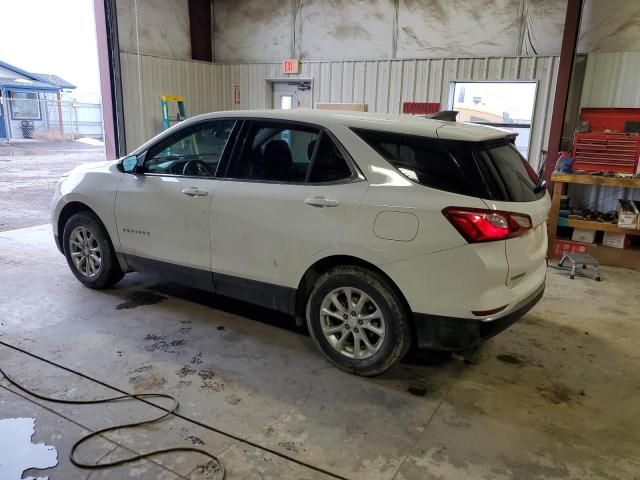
(420,108)
(236,95)
(290,66)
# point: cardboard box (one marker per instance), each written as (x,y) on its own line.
(562,246)
(615,240)
(584,236)
(627,214)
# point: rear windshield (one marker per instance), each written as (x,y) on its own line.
(505,175)
(493,170)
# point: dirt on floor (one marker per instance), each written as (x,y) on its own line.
(29,171)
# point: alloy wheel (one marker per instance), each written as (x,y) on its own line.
(352,323)
(85,251)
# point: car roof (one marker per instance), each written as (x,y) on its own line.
(407,124)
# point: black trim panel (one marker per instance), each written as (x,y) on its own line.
(193,277)
(263,294)
(455,334)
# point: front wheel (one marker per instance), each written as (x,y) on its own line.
(357,321)
(89,251)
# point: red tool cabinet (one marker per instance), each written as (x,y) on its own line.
(606,146)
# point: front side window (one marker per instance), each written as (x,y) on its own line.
(24,106)
(194,151)
(275,151)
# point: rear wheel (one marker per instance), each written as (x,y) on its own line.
(89,251)
(357,321)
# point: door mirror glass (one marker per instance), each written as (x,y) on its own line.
(129,164)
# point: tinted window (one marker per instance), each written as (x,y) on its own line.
(507,175)
(329,164)
(193,151)
(421,159)
(275,152)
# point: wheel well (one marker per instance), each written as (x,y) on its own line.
(321,266)
(67,212)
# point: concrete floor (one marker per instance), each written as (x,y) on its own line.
(555,396)
(29,170)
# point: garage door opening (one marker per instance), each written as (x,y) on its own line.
(507,105)
(50,103)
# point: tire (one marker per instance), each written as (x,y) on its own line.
(89,251)
(380,318)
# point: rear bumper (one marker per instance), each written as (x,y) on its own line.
(455,334)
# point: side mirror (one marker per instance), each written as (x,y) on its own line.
(130,164)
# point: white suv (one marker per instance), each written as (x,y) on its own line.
(380,231)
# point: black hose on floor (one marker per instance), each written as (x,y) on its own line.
(219,467)
(143,398)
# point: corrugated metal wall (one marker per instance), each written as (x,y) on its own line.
(611,80)
(383,85)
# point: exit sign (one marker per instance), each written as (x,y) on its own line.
(290,66)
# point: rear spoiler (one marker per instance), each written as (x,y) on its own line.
(452,115)
(446,115)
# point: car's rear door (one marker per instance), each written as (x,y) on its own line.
(163,214)
(289,192)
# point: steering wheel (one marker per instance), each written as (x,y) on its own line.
(196,168)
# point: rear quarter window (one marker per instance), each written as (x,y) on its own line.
(421,159)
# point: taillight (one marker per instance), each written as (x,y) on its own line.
(480,225)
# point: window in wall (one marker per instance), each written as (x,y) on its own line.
(507,105)
(24,105)
(286,101)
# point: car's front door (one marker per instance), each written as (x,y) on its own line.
(288,193)
(163,213)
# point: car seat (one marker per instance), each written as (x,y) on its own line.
(277,160)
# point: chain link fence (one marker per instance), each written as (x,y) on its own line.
(51,119)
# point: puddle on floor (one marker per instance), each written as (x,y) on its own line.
(18,454)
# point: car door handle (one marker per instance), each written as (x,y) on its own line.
(321,202)
(195,192)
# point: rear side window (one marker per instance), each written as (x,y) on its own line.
(421,159)
(329,164)
(276,152)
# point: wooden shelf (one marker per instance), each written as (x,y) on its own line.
(628,182)
(627,257)
(603,227)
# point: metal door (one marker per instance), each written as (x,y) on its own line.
(287,95)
